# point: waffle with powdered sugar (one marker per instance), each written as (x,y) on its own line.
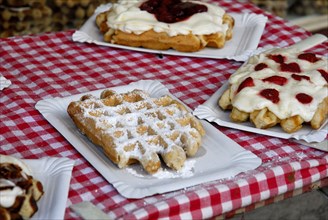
(133,127)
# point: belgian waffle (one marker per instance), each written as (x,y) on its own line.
(133,127)
(19,191)
(153,38)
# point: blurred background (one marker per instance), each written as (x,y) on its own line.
(21,17)
(311,15)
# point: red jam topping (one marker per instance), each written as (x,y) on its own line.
(277,58)
(260,66)
(290,67)
(278,80)
(248,82)
(308,57)
(324,74)
(300,77)
(304,98)
(170,11)
(270,94)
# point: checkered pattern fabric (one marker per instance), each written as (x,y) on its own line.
(52,65)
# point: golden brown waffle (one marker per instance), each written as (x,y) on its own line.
(161,40)
(264,118)
(133,127)
(25,190)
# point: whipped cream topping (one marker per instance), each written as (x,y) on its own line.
(9,193)
(127,17)
(9,190)
(300,84)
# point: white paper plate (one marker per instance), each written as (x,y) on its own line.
(219,156)
(55,176)
(213,113)
(4,83)
(247,33)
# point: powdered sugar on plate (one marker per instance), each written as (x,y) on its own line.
(186,171)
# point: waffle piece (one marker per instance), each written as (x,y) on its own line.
(142,29)
(282,86)
(19,191)
(133,127)
(16,14)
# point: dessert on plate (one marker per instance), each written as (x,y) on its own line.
(185,26)
(133,127)
(19,191)
(280,86)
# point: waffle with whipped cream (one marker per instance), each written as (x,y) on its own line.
(19,191)
(185,26)
(133,127)
(280,86)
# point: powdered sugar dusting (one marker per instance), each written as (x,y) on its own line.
(134,125)
(186,171)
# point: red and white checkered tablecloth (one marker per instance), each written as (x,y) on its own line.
(50,65)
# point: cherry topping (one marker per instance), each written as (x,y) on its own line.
(324,74)
(311,57)
(248,82)
(300,77)
(278,80)
(270,94)
(260,66)
(170,11)
(290,67)
(304,98)
(277,58)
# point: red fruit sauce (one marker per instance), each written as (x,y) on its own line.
(311,57)
(278,80)
(260,66)
(304,98)
(248,82)
(170,11)
(290,67)
(277,58)
(324,74)
(300,77)
(270,94)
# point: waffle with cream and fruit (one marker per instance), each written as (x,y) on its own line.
(133,127)
(185,26)
(280,86)
(19,191)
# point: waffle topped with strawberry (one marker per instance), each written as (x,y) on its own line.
(185,26)
(280,86)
